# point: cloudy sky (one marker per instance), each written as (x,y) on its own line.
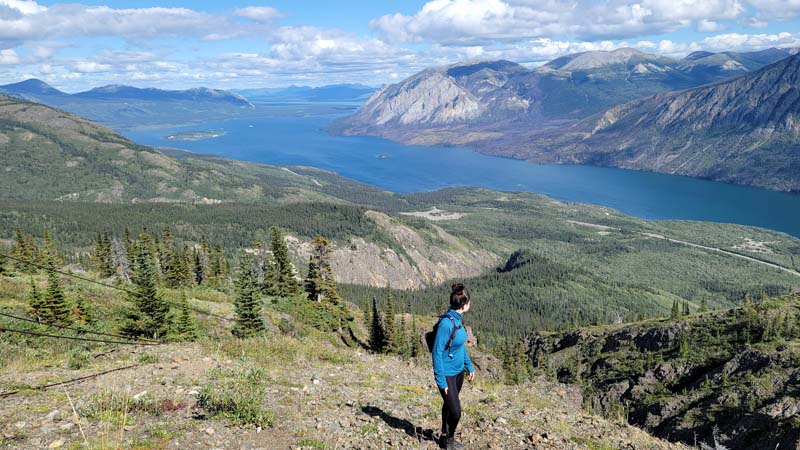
(241,44)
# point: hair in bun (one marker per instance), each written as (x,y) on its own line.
(459,296)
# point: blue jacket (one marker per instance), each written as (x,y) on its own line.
(447,363)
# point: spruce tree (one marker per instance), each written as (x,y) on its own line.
(150,315)
(389,330)
(55,307)
(3,261)
(199,271)
(416,347)
(36,302)
(81,312)
(25,252)
(103,255)
(320,284)
(401,343)
(376,334)
(49,255)
(675,310)
(248,301)
(686,308)
(703,305)
(285,283)
(185,325)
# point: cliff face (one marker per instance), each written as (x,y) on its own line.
(744,131)
(417,259)
(731,376)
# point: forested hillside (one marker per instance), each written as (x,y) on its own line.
(725,377)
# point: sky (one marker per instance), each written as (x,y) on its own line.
(176,44)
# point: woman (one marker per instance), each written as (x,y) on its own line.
(450,359)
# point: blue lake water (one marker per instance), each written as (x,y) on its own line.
(288,140)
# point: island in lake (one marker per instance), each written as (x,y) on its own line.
(194,135)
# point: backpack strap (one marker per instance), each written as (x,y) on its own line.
(452,333)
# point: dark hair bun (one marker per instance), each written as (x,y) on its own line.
(459,296)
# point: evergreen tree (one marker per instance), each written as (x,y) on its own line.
(55,307)
(199,271)
(286,284)
(401,343)
(25,251)
(248,301)
(185,326)
(675,310)
(178,273)
(389,330)
(36,302)
(150,316)
(686,308)
(3,261)
(703,305)
(103,255)
(416,347)
(320,284)
(376,334)
(81,313)
(49,255)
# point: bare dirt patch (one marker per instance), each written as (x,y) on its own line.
(435,214)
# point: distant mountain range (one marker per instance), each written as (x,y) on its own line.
(330,93)
(742,128)
(32,89)
(126,106)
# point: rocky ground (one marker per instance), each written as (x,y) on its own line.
(316,395)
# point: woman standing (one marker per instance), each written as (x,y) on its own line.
(450,360)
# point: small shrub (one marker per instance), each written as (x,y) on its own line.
(238,396)
(78,359)
(148,358)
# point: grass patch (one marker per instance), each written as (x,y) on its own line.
(237,395)
(312,443)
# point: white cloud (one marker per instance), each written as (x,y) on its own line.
(27,20)
(258,13)
(709,26)
(776,9)
(8,56)
(91,67)
(459,21)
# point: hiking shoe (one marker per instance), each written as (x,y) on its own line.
(452,444)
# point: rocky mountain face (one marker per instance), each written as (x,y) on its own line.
(744,130)
(728,378)
(499,100)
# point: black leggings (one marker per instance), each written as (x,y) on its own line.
(451,409)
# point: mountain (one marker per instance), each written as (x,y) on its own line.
(724,379)
(744,130)
(715,66)
(129,107)
(330,93)
(31,87)
(118,92)
(496,100)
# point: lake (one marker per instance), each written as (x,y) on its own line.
(301,140)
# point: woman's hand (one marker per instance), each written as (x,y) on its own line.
(471,376)
(445,391)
